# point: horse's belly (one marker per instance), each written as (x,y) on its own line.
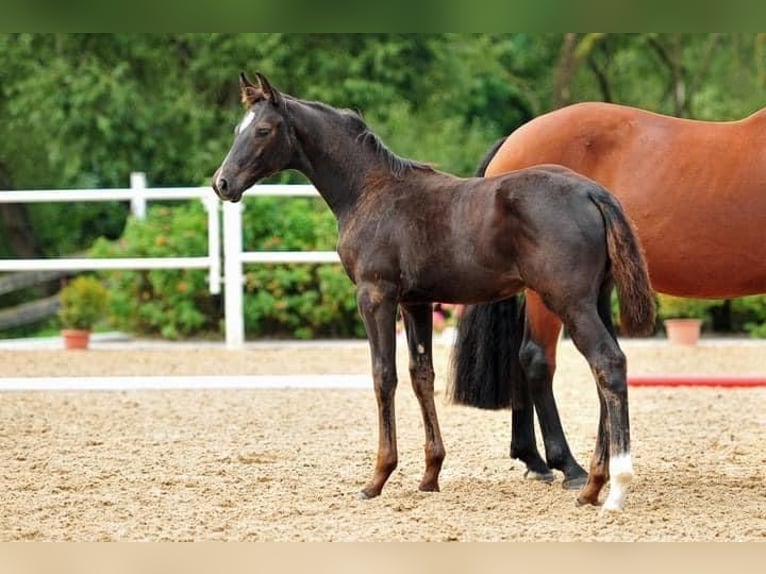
(463,286)
(689,265)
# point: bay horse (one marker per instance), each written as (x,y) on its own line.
(409,236)
(696,192)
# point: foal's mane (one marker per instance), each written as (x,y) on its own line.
(353,122)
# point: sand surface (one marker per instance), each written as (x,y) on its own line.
(287,464)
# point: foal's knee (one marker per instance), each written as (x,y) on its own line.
(384,378)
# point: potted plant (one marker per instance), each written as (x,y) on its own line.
(82,303)
(684,317)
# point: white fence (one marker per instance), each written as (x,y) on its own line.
(233,257)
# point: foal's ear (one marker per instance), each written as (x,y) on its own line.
(244,82)
(250,92)
(269,92)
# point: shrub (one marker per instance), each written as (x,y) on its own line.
(749,314)
(82,303)
(301,301)
(172,303)
(671,307)
(305,300)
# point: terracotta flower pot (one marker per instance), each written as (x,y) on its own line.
(683,331)
(75,338)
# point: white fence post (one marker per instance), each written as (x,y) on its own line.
(234,276)
(212,206)
(138,201)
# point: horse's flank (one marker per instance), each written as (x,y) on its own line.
(695,190)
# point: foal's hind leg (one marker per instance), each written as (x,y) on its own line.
(538,359)
(418,324)
(611,457)
(598,476)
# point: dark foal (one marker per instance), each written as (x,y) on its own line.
(410,235)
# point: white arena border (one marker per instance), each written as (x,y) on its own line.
(192,382)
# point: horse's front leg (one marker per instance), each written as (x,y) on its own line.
(377,305)
(418,324)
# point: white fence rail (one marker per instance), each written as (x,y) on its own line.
(231,272)
(137,195)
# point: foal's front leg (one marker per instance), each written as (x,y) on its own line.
(418,324)
(377,305)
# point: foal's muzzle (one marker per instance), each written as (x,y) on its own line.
(223,190)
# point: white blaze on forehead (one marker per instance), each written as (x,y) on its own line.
(246,121)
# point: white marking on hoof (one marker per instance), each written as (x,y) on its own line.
(620,477)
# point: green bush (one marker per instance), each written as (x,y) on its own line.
(82,303)
(295,301)
(748,314)
(304,300)
(671,307)
(171,303)
(742,315)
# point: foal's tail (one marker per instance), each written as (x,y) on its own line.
(628,266)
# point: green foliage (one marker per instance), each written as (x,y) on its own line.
(288,224)
(749,315)
(85,110)
(302,301)
(670,307)
(82,303)
(171,303)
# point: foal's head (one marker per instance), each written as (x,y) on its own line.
(263,141)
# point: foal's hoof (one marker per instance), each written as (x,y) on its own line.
(580,501)
(368,494)
(574,482)
(546,477)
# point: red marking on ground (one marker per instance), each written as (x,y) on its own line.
(696,381)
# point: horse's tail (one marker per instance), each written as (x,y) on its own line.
(628,266)
(485,369)
(485,361)
(482,167)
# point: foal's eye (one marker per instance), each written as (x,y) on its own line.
(262,132)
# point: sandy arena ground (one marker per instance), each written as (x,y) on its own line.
(286,465)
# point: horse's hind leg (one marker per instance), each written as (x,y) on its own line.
(418,324)
(611,458)
(538,359)
(523,441)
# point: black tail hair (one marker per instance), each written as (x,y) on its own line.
(485,369)
(482,167)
